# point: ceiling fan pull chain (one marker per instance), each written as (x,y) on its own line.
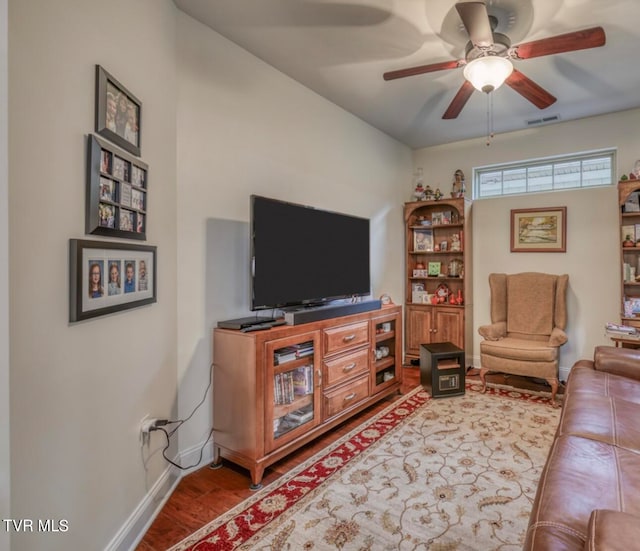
(491,127)
(490,132)
(488,120)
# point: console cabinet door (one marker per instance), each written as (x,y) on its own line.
(386,365)
(419,328)
(449,326)
(292,393)
(430,324)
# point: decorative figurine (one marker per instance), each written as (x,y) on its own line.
(455,242)
(419,192)
(457,188)
(428,193)
(437,194)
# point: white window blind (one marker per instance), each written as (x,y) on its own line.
(578,170)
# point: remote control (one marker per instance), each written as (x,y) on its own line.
(256,327)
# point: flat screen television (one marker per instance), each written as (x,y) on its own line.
(301,255)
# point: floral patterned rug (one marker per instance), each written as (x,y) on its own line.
(456,473)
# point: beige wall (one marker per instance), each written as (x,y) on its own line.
(5,479)
(245,128)
(592,259)
(79,391)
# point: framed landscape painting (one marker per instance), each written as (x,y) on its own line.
(539,230)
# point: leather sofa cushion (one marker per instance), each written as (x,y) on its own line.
(603,418)
(520,349)
(584,379)
(612,531)
(580,475)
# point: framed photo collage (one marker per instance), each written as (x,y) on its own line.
(107,276)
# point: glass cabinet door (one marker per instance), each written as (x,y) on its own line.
(386,352)
(292,388)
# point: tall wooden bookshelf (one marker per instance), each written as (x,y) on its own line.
(629,206)
(438,264)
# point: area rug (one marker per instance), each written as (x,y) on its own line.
(456,473)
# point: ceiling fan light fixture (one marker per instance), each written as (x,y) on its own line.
(488,73)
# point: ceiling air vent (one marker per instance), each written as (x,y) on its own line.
(543,120)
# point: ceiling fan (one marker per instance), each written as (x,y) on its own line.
(488,54)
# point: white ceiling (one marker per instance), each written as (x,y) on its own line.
(341,49)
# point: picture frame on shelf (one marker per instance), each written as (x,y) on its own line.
(434,269)
(116,192)
(632,204)
(107,277)
(539,230)
(118,112)
(422,240)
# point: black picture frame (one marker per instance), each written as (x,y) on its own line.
(87,257)
(118,113)
(117,192)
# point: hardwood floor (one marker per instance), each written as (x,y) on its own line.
(205,494)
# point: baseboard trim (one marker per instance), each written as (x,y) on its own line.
(563,373)
(136,526)
(144,514)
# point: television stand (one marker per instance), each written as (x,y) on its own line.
(276,390)
(303,314)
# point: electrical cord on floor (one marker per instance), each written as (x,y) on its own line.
(180,422)
(164,451)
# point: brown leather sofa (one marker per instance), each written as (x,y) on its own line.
(588,497)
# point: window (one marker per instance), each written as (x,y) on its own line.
(580,170)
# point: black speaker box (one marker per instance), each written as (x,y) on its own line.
(308,315)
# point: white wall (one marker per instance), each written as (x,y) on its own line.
(5,479)
(79,391)
(592,259)
(245,128)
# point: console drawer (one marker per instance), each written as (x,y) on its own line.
(344,367)
(336,339)
(344,397)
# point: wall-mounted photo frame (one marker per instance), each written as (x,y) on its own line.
(116,196)
(118,112)
(540,230)
(107,277)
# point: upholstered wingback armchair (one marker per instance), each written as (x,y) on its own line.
(528,319)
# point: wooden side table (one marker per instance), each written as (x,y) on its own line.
(621,342)
(442,369)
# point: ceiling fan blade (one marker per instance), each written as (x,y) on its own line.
(459,101)
(579,40)
(530,90)
(476,20)
(401,73)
